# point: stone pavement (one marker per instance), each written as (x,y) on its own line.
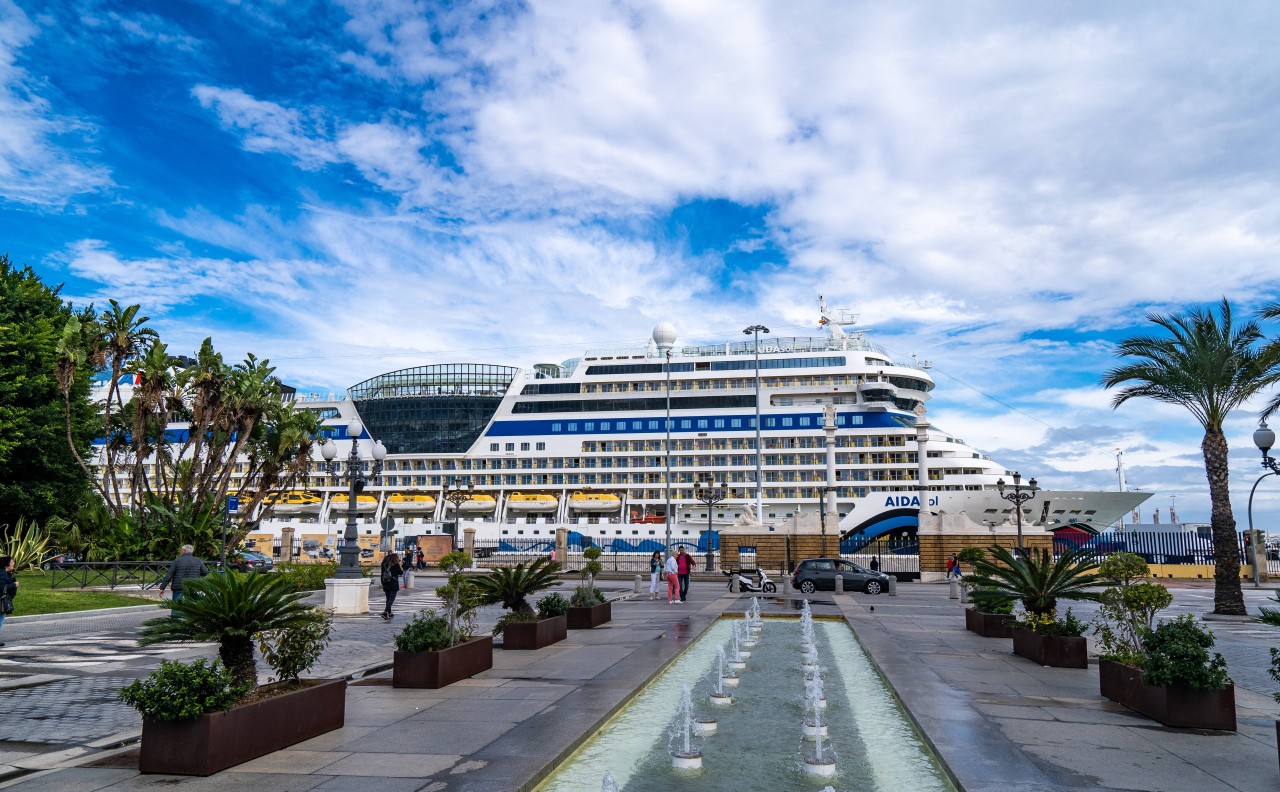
(1001,722)
(995,720)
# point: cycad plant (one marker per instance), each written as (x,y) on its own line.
(511,586)
(232,609)
(1036,580)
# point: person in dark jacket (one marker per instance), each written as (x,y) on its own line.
(183,568)
(8,584)
(391,572)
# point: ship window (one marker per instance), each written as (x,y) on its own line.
(511,446)
(719,423)
(786,421)
(736,423)
(589,426)
(573,426)
(804,420)
(702,424)
(493,446)
(653,426)
(637,425)
(606,426)
(770,422)
(540,447)
(686,424)
(524,446)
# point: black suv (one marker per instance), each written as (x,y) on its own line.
(819,574)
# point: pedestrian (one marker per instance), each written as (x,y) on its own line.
(391,572)
(655,570)
(672,570)
(684,565)
(181,569)
(422,560)
(8,589)
(408,567)
(953,567)
(875,564)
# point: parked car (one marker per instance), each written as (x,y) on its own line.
(819,574)
(259,561)
(366,552)
(61,558)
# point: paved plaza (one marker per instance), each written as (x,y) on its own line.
(996,721)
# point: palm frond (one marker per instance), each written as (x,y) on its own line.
(1037,580)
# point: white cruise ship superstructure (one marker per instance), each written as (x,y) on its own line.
(584,445)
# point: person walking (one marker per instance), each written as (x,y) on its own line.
(953,567)
(8,588)
(391,571)
(673,581)
(407,568)
(684,565)
(655,571)
(422,560)
(181,569)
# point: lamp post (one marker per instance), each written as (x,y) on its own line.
(825,491)
(1264,439)
(667,515)
(457,496)
(355,478)
(710,494)
(1017,498)
(755,331)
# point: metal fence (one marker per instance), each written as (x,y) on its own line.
(111,574)
(615,556)
(898,557)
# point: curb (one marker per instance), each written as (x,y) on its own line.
(97,612)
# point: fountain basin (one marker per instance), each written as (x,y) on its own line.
(812,730)
(704,726)
(824,767)
(737,665)
(686,761)
(721,699)
(730,680)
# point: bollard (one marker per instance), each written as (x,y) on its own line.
(408,579)
(893,586)
(786,584)
(638,587)
(964,592)
(733,585)
(839,584)
(954,589)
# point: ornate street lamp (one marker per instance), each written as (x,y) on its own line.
(710,494)
(355,477)
(1265,440)
(755,331)
(1017,498)
(458,495)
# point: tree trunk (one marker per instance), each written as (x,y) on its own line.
(1228,599)
(236,653)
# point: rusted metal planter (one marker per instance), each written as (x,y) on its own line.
(1177,705)
(1057,651)
(437,669)
(989,625)
(587,618)
(536,634)
(217,740)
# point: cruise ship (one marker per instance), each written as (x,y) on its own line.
(601,444)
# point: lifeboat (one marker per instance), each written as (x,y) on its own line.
(478,504)
(364,503)
(595,501)
(531,502)
(411,502)
(294,502)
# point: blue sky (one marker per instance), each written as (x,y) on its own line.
(351,187)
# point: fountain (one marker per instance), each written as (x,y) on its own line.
(608,785)
(719,697)
(748,639)
(737,662)
(684,757)
(811,659)
(814,726)
(869,743)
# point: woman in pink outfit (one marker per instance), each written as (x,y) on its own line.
(673,581)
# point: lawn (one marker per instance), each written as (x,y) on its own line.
(35,596)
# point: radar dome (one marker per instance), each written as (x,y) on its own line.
(664,335)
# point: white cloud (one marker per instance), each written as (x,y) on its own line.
(267,127)
(42,159)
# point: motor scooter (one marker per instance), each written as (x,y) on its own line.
(746,584)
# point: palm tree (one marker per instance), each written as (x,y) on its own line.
(231,609)
(1211,367)
(511,585)
(1271,311)
(1037,580)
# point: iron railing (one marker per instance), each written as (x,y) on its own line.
(112,574)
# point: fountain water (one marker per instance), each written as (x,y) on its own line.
(719,697)
(869,739)
(736,661)
(819,764)
(683,756)
(609,785)
(748,641)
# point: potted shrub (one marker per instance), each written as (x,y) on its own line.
(1127,614)
(587,606)
(433,651)
(521,626)
(990,618)
(1180,683)
(200,719)
(970,556)
(1038,582)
